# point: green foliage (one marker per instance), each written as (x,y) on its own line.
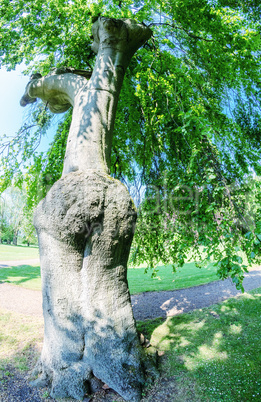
(46,169)
(19,152)
(12,215)
(185,142)
(6,232)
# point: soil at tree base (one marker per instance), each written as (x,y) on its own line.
(16,388)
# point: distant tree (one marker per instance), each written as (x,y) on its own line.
(28,233)
(15,217)
(11,215)
(6,232)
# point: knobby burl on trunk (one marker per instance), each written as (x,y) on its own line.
(85,227)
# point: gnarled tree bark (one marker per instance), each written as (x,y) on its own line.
(85,227)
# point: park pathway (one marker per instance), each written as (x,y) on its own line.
(5,264)
(174,302)
(146,305)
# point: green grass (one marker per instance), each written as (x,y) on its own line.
(215,353)
(29,277)
(21,341)
(26,276)
(185,277)
(16,253)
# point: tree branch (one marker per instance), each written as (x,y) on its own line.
(182,29)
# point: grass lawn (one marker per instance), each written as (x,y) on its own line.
(213,354)
(185,277)
(29,277)
(21,337)
(16,253)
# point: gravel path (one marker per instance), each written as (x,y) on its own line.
(169,303)
(15,263)
(146,305)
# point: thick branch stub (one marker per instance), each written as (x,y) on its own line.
(56,90)
(123,35)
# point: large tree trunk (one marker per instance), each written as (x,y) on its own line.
(85,227)
(85,235)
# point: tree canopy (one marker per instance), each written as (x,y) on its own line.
(187,133)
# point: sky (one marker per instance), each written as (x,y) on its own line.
(12,115)
(12,85)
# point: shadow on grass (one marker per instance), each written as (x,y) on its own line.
(19,275)
(216,349)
